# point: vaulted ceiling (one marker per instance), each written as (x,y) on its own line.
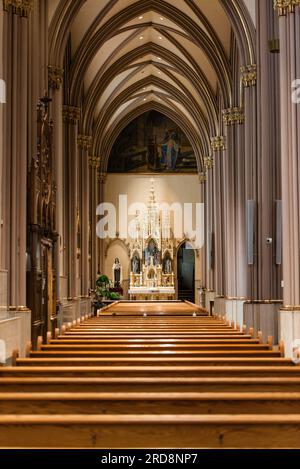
(129,56)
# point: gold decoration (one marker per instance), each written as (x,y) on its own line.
(285,6)
(233,115)
(209,162)
(101,177)
(19,7)
(94,162)
(84,141)
(55,77)
(218,143)
(274,46)
(202,177)
(249,75)
(71,114)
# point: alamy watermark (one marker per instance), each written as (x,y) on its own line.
(184,220)
(296,91)
(2,351)
(296,351)
(2,92)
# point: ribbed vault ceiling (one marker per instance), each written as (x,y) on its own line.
(130,56)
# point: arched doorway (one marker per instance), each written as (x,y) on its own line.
(186,272)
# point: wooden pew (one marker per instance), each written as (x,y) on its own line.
(155,384)
(61,347)
(150,431)
(71,341)
(150,403)
(218,360)
(150,371)
(215,352)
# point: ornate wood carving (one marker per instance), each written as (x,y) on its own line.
(42,236)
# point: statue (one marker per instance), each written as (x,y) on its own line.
(117,272)
(135,265)
(168,266)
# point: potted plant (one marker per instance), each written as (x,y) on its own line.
(103,289)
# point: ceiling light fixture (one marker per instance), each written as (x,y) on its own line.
(141,17)
(159,37)
(161,18)
(141,37)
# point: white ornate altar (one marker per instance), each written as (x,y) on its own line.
(152,254)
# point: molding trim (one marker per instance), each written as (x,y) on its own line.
(290,308)
(263,302)
(18,308)
(18,7)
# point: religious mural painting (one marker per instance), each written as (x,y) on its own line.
(152,143)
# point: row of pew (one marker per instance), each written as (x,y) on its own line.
(151,381)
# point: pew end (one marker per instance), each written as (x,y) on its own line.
(28,349)
(14,357)
(39,342)
(282,348)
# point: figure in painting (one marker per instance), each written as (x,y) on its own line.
(170,150)
(117,272)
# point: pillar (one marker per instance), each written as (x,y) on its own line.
(289,37)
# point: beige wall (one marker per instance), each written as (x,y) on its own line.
(168,188)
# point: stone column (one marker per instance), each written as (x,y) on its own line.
(218,146)
(55,79)
(234,198)
(289,36)
(15,29)
(71,116)
(3,169)
(207,180)
(100,242)
(84,143)
(94,163)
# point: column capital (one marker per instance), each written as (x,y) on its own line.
(218,143)
(202,177)
(55,77)
(94,161)
(249,75)
(233,115)
(71,114)
(101,177)
(283,7)
(18,7)
(208,162)
(84,141)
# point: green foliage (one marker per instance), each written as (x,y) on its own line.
(114,296)
(102,280)
(102,289)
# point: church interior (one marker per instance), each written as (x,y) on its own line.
(149,223)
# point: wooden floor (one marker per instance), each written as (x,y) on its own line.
(151,375)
